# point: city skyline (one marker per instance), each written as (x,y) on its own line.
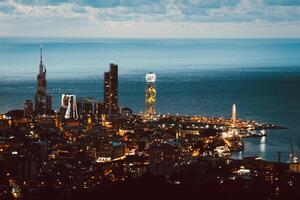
(151,18)
(110,105)
(218,120)
(88,144)
(183,98)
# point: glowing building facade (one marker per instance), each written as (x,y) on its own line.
(233,119)
(150,97)
(110,96)
(68,103)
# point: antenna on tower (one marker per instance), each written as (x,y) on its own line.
(42,67)
(41,53)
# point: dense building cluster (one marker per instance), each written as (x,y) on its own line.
(88,144)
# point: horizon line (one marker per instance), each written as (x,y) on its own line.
(105,37)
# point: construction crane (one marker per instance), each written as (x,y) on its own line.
(293,155)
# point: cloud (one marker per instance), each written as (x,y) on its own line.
(97,12)
(91,3)
(169,10)
(282,2)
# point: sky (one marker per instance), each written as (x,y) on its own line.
(150,18)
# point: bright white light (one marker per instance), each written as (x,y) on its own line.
(150,77)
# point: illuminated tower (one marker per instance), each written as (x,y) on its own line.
(150,97)
(40,96)
(106,95)
(110,96)
(233,119)
(68,102)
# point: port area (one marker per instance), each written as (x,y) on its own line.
(226,134)
(260,131)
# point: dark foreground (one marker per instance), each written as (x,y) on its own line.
(154,187)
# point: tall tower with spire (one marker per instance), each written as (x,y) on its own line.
(40,96)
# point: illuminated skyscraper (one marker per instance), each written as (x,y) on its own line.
(106,93)
(150,97)
(40,96)
(110,96)
(68,103)
(233,119)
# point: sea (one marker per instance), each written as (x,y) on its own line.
(194,77)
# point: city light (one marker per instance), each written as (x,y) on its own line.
(87,143)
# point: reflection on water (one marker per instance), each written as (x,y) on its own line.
(271,147)
(262,146)
(238,155)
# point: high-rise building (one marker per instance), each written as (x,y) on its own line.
(68,103)
(86,106)
(110,96)
(106,93)
(233,119)
(150,97)
(48,104)
(40,96)
(89,109)
(28,108)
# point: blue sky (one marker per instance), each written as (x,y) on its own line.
(150,18)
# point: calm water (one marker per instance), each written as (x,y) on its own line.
(203,77)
